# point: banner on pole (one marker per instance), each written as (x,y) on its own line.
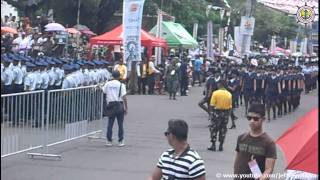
(237,38)
(221,39)
(209,40)
(195,31)
(158,35)
(247,25)
(131,20)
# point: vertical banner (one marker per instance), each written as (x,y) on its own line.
(131,20)
(195,31)
(237,39)
(304,47)
(293,46)
(246,31)
(209,40)
(158,35)
(221,39)
(230,42)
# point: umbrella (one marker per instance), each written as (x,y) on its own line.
(88,32)
(54,27)
(73,31)
(81,27)
(300,143)
(297,54)
(8,30)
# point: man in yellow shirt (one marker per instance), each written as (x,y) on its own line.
(151,72)
(220,106)
(122,68)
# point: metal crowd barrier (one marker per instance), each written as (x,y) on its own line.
(53,117)
(22,122)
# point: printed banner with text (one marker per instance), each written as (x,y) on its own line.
(132,18)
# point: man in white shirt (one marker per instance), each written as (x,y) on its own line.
(24,43)
(18,74)
(7,77)
(116,96)
(30,79)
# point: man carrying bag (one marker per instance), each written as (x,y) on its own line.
(116,106)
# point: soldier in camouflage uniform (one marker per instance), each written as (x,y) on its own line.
(220,107)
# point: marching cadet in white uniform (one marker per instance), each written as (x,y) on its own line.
(68,81)
(44,75)
(52,75)
(7,76)
(30,80)
(60,75)
(18,74)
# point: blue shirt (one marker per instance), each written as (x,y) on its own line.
(197,65)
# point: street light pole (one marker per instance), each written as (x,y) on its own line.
(78,23)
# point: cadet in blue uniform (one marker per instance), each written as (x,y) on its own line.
(279,73)
(285,90)
(233,87)
(247,86)
(272,93)
(211,85)
(258,85)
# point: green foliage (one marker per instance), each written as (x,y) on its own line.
(187,12)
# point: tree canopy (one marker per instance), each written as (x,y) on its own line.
(98,14)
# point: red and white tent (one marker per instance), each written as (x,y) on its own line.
(114,37)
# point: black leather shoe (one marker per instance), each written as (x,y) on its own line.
(233,126)
(212,148)
(220,147)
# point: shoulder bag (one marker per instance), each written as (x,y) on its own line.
(113,108)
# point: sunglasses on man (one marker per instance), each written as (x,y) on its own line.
(254,118)
(166,133)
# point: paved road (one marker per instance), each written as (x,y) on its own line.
(144,127)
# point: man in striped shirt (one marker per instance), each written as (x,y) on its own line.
(181,162)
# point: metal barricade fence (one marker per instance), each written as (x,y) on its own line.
(22,122)
(67,114)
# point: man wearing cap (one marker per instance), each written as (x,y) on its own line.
(255,149)
(180,162)
(220,106)
(59,74)
(211,85)
(197,70)
(233,85)
(52,75)
(30,79)
(122,69)
(172,78)
(247,86)
(18,74)
(151,72)
(116,93)
(142,76)
(184,77)
(7,77)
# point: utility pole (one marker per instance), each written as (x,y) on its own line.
(78,23)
